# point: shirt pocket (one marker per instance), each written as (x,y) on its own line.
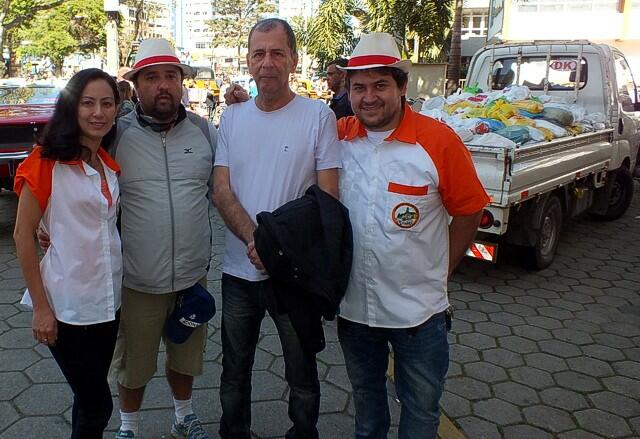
(407,207)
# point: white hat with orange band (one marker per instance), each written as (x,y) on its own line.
(376,49)
(153,52)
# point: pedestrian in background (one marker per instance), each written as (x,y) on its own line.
(336,81)
(69,185)
(126,93)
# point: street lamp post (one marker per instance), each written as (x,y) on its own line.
(111,8)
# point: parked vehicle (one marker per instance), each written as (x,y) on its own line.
(24,111)
(535,187)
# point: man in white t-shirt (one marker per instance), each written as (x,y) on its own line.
(270,150)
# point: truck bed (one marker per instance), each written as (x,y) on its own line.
(512,175)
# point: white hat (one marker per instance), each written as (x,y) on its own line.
(154,52)
(376,49)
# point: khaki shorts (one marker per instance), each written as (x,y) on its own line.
(142,322)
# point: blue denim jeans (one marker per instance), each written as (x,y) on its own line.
(244,304)
(421,360)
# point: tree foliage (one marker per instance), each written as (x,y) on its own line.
(331,33)
(302,29)
(233,20)
(14,14)
(128,37)
(420,26)
(74,26)
(427,21)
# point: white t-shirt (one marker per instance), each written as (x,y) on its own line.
(272,159)
(377,137)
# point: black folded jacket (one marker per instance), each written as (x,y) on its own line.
(306,246)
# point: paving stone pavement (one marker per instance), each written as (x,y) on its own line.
(547,354)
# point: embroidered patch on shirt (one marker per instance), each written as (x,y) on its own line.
(405,215)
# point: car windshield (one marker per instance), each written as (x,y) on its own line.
(28,95)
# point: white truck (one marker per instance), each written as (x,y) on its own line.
(535,187)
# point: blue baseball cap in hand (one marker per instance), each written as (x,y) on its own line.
(194,306)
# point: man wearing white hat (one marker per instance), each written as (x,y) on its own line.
(403,175)
(166,156)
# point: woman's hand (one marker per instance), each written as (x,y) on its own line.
(45,326)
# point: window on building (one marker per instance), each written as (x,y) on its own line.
(566,5)
(474,23)
(562,72)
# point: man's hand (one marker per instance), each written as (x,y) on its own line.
(235,94)
(43,240)
(462,230)
(252,253)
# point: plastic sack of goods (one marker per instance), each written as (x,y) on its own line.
(514,115)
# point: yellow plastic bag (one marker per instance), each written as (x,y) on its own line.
(548,135)
(575,129)
(452,108)
(501,110)
(529,106)
(520,120)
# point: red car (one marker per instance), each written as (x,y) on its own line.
(24,111)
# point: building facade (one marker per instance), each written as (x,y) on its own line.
(614,22)
(193,35)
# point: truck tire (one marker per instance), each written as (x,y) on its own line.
(541,254)
(619,197)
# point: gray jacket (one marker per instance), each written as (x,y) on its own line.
(164,201)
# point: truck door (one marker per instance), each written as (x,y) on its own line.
(629,121)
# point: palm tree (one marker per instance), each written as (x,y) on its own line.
(331,34)
(455,54)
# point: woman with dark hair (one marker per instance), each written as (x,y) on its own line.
(68,186)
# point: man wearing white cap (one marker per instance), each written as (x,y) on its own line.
(166,156)
(403,176)
(272,148)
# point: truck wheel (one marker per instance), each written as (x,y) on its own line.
(540,255)
(620,197)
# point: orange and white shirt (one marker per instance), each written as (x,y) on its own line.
(400,193)
(82,269)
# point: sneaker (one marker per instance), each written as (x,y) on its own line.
(189,429)
(125,434)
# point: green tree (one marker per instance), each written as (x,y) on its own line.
(419,26)
(14,14)
(331,33)
(233,19)
(75,26)
(455,54)
(130,35)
